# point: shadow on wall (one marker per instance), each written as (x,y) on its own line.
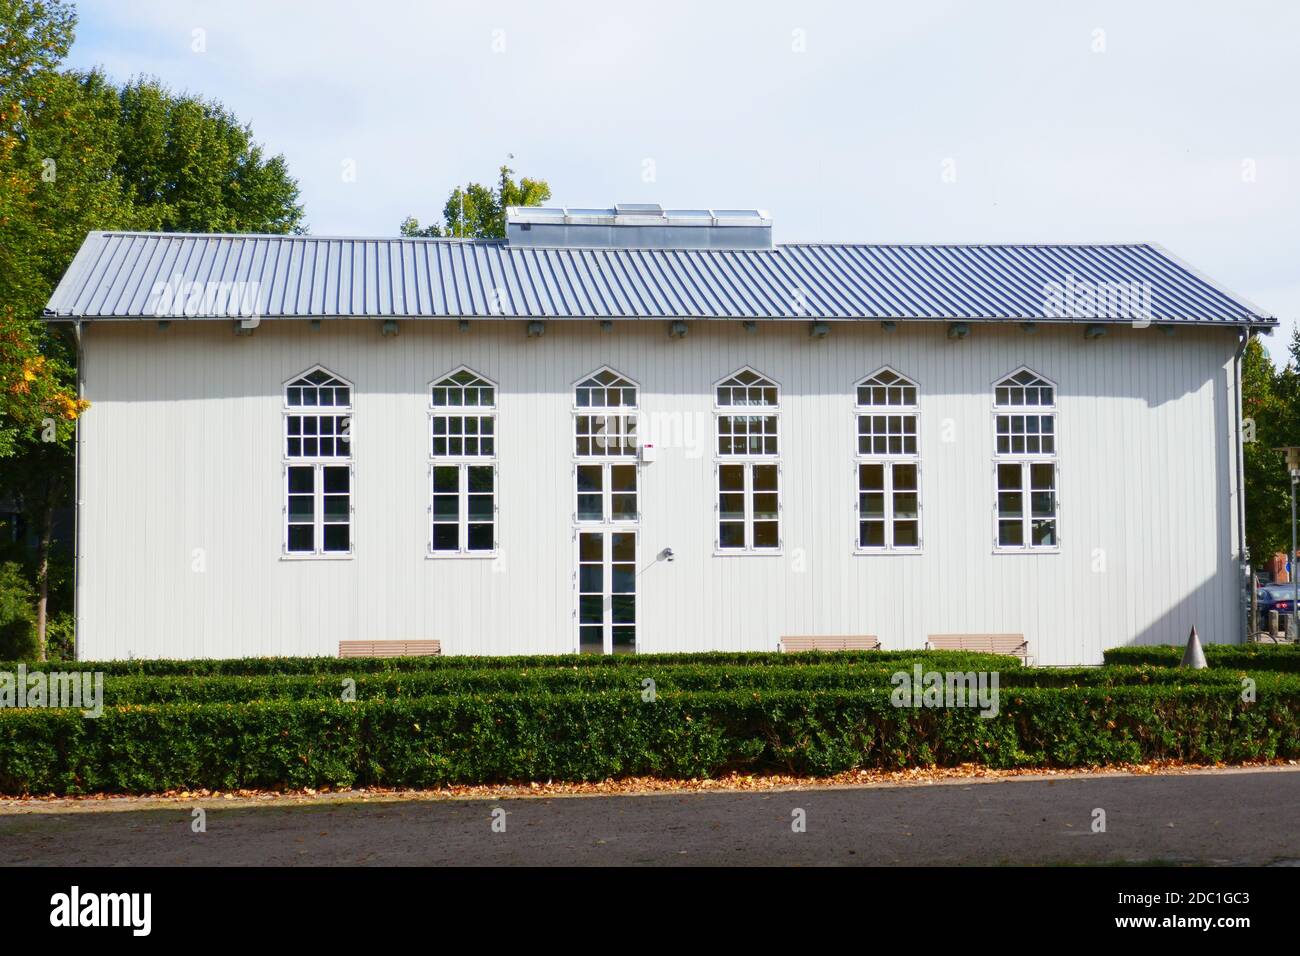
(1138,364)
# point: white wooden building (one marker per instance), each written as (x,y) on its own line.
(631,429)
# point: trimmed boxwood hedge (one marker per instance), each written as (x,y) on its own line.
(490,737)
(1249,657)
(131,689)
(249,666)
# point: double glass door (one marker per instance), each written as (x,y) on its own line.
(607,592)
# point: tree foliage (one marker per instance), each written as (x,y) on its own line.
(478,211)
(79,153)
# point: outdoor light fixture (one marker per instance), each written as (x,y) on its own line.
(677,330)
(1094,331)
(889,326)
(606,325)
(1029,328)
(958,330)
(314,325)
(536,329)
(164,325)
(750,326)
(389,327)
(819,330)
(463,325)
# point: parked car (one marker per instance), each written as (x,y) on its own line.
(1274,597)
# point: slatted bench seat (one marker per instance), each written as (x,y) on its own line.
(1013,644)
(824,642)
(390,648)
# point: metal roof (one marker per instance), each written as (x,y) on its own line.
(120,275)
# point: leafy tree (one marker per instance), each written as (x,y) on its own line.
(478,211)
(1268,488)
(198,168)
(79,153)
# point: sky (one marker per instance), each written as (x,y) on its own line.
(1169,122)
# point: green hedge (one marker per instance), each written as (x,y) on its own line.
(250,666)
(477,738)
(132,689)
(1250,657)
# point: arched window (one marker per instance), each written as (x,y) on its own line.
(747,434)
(462,467)
(1025,462)
(605,421)
(318,469)
(747,408)
(889,467)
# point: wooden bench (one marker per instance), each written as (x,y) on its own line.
(390,648)
(1013,644)
(823,642)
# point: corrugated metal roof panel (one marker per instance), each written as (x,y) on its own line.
(137,275)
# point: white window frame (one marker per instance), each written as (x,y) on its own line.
(318,463)
(462,466)
(887,460)
(747,467)
(462,411)
(746,462)
(627,451)
(606,531)
(462,462)
(607,493)
(1025,461)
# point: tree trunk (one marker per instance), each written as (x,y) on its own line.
(43,572)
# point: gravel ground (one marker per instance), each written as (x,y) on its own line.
(1223,817)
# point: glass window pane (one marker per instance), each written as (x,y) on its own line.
(302,538)
(871,534)
(446,537)
(766,534)
(622,547)
(446,507)
(481,537)
(591,547)
(301,480)
(336,537)
(1011,534)
(591,578)
(336,480)
(623,608)
(446,478)
(480,478)
(624,637)
(906,534)
(591,608)
(731,534)
(765,477)
(591,640)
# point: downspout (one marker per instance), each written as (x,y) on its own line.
(76,504)
(1242,551)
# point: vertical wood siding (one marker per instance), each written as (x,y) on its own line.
(181,491)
